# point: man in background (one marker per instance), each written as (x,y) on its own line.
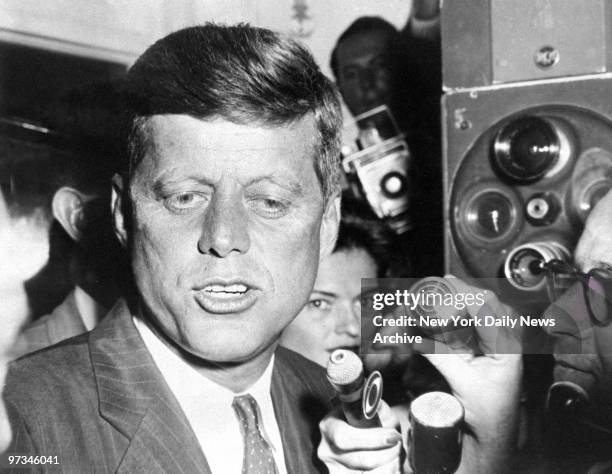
(84,123)
(374,64)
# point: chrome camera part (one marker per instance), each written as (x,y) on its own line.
(523,265)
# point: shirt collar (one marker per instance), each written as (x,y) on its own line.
(175,370)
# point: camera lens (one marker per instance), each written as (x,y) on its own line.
(542,209)
(526,268)
(393,184)
(591,180)
(523,266)
(525,149)
(490,215)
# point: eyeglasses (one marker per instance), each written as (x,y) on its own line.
(596,285)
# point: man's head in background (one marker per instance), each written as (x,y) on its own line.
(84,123)
(331,318)
(363,63)
(30,160)
(231,193)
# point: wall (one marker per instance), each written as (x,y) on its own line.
(120,29)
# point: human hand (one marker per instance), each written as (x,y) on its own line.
(488,385)
(346,449)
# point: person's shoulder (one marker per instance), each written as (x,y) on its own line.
(63,322)
(35,336)
(55,369)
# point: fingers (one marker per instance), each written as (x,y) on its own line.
(359,449)
(386,460)
(387,416)
(450,366)
(494,337)
(343,437)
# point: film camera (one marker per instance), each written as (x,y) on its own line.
(527,135)
(380,170)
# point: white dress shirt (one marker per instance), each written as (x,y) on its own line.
(208,407)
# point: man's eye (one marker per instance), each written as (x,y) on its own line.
(184,201)
(270,207)
(321,305)
(350,75)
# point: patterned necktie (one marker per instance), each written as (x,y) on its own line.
(258,457)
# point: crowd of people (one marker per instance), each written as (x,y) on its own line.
(214,264)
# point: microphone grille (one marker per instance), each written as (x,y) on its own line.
(431,286)
(437,409)
(344,367)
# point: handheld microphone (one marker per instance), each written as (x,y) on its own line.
(435,436)
(435,290)
(359,397)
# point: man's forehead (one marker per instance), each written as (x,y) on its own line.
(183,147)
(370,43)
(217,132)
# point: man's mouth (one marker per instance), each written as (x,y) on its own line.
(221,298)
(226,290)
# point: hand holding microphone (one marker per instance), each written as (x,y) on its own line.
(360,398)
(435,419)
(362,434)
(487,383)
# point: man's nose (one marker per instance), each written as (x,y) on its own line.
(347,320)
(368,80)
(225,229)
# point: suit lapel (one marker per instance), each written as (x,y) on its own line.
(136,400)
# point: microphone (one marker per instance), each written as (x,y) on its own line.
(359,397)
(435,291)
(435,437)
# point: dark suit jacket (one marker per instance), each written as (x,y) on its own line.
(64,322)
(99,403)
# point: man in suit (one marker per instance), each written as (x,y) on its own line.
(227,204)
(228,201)
(83,122)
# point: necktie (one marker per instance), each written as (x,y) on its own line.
(258,457)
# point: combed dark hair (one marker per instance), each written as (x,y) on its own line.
(242,74)
(362,25)
(360,229)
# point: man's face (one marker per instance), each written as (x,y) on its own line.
(593,343)
(331,318)
(364,75)
(228,226)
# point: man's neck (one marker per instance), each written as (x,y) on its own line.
(235,376)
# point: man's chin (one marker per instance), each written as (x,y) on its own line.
(228,350)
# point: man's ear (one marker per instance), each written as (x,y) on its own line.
(68,208)
(329,226)
(117,208)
